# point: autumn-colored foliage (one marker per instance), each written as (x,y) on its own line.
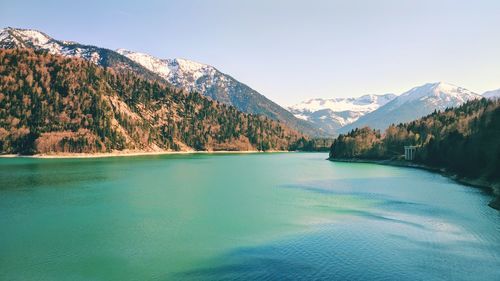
(51,103)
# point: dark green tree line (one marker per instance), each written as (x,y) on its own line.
(464,140)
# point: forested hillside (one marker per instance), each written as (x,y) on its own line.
(463,140)
(313,144)
(209,81)
(50,103)
(182,74)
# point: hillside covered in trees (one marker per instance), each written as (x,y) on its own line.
(463,140)
(51,103)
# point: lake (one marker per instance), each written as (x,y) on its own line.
(277,216)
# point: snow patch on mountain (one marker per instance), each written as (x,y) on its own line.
(492,94)
(440,94)
(413,104)
(36,37)
(183,73)
(366,103)
(29,38)
(151,63)
(192,76)
(331,114)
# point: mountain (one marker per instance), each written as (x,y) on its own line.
(495,94)
(462,141)
(414,104)
(34,39)
(332,114)
(209,81)
(52,103)
(184,74)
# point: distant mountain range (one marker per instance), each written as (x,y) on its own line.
(340,115)
(414,104)
(184,74)
(333,114)
(495,94)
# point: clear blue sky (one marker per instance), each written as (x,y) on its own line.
(293,50)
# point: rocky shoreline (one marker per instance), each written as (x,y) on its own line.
(490,187)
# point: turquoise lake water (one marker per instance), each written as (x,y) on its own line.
(281,216)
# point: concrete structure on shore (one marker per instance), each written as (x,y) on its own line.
(410,151)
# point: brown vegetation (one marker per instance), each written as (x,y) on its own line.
(51,103)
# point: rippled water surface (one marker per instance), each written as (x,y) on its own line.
(290,216)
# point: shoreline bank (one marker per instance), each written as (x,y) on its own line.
(123,153)
(490,187)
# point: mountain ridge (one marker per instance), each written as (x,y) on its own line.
(31,38)
(52,103)
(332,114)
(212,83)
(493,94)
(414,103)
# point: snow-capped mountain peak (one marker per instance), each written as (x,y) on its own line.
(331,114)
(36,37)
(25,37)
(362,103)
(193,76)
(495,94)
(29,38)
(191,66)
(180,72)
(413,104)
(151,63)
(439,92)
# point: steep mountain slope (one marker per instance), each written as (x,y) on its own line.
(495,94)
(193,76)
(49,103)
(332,114)
(184,74)
(414,104)
(29,38)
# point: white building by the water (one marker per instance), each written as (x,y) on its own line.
(410,151)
